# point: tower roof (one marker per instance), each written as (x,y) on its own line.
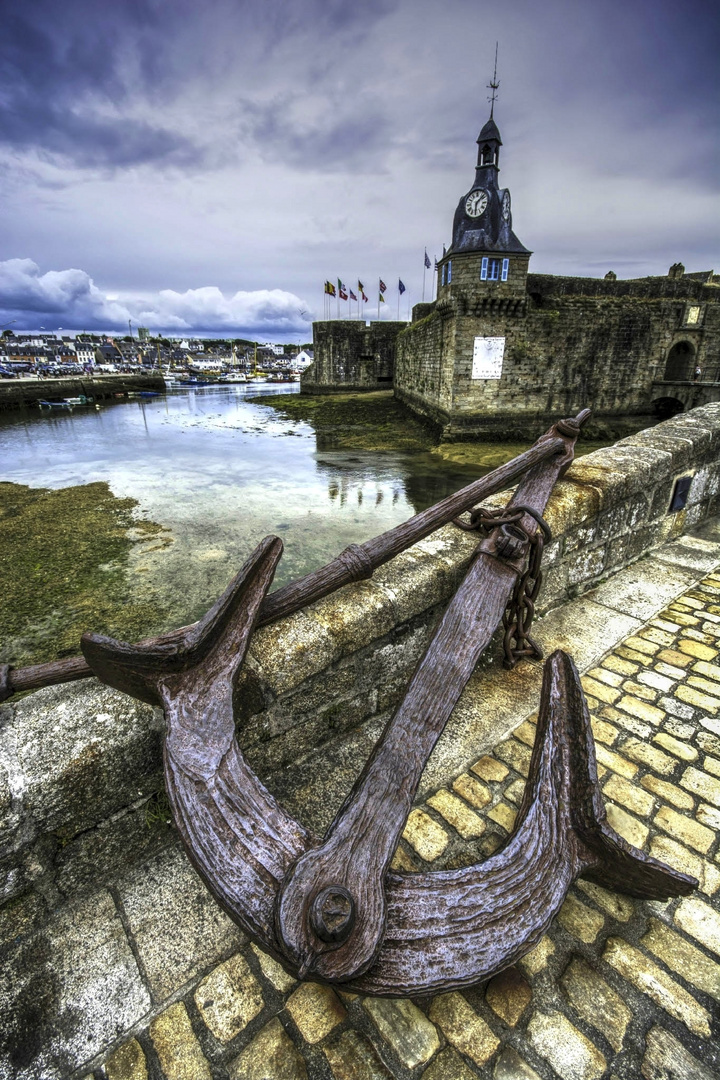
(490,131)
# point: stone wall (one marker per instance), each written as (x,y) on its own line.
(571,341)
(351,355)
(16,393)
(78,763)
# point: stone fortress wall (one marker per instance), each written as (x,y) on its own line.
(351,356)
(628,347)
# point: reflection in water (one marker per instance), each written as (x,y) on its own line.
(220,473)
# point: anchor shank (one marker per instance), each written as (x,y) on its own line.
(348,870)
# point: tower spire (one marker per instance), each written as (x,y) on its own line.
(493,84)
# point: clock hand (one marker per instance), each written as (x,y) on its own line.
(331,910)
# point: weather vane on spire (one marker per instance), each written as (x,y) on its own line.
(493,84)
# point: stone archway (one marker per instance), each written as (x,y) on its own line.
(665,407)
(680,362)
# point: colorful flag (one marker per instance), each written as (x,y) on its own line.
(427,260)
(329,288)
(352,295)
(401,287)
(361,287)
(383,286)
(365,299)
(381,298)
(341,290)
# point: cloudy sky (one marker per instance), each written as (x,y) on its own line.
(201,167)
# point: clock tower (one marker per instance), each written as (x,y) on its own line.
(485,256)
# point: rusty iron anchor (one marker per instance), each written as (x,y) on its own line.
(332,909)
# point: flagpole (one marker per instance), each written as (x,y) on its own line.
(379,295)
(424,269)
(398,303)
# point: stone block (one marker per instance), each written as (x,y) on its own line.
(667,1059)
(579,920)
(405,1028)
(701,921)
(68,991)
(448,1065)
(316,1010)
(353,1057)
(273,972)
(643,588)
(472,790)
(596,1002)
(457,813)
(617,906)
(127,1063)
(425,836)
(463,1028)
(271,1053)
(684,829)
(510,1066)
(508,995)
(682,957)
(652,980)
(178,927)
(177,1047)
(292,650)
(229,998)
(567,1050)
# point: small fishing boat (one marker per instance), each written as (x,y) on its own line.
(54,404)
(81,399)
(148,393)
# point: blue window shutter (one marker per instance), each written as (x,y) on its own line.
(505,266)
(483,268)
(442,276)
(449,272)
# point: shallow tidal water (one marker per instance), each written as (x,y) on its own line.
(219,473)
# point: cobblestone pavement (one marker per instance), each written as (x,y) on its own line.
(617,989)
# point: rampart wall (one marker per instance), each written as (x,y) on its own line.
(572,340)
(350,355)
(78,763)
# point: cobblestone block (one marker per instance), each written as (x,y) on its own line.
(631,797)
(316,1010)
(615,763)
(645,712)
(699,783)
(642,645)
(579,920)
(488,768)
(534,961)
(472,790)
(674,657)
(510,1066)
(640,690)
(667,1059)
(425,836)
(273,972)
(600,690)
(696,649)
(127,1063)
(352,1057)
(611,678)
(705,686)
(568,1051)
(448,1066)
(408,1031)
(229,998)
(647,977)
(603,732)
(677,856)
(620,666)
(516,755)
(619,907)
(674,673)
(657,635)
(676,747)
(515,791)
(177,1047)
(626,825)
(710,671)
(684,829)
(457,813)
(699,920)
(463,1028)
(656,681)
(596,1002)
(712,765)
(650,756)
(508,995)
(271,1054)
(504,815)
(629,723)
(683,958)
(709,816)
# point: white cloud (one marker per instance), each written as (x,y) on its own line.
(71,298)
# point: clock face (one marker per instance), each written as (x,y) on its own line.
(506,206)
(476,202)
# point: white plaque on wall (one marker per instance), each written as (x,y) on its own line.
(488,357)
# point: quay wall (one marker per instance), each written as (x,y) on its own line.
(351,356)
(78,763)
(18,393)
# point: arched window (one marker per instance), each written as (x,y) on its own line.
(679,365)
(488,155)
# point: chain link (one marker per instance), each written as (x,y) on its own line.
(519,614)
